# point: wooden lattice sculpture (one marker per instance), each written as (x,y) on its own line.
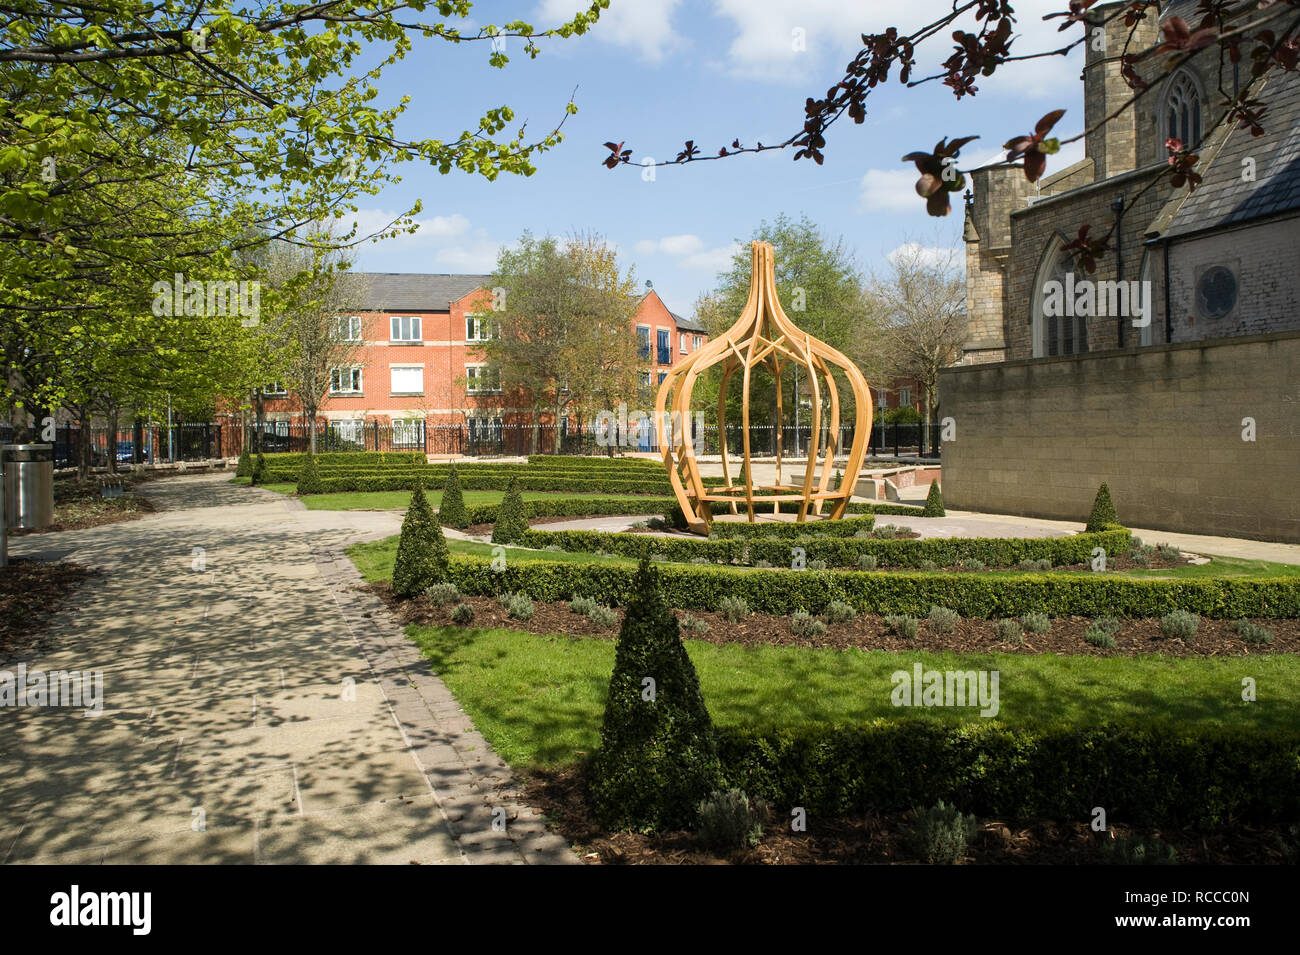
(763,334)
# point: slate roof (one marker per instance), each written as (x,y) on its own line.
(410,291)
(687,324)
(1223,198)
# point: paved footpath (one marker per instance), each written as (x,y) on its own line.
(257,707)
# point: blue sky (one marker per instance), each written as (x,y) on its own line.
(654,73)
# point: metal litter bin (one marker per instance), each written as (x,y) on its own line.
(29,485)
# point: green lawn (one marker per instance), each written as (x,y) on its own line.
(398,500)
(539,699)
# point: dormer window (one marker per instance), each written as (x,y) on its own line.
(1183,109)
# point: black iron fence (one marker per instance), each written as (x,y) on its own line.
(136,444)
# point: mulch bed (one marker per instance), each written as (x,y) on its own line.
(883,839)
(869,632)
(78,506)
(30,592)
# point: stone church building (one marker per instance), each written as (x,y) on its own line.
(1176,378)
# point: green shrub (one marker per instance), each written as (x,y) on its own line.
(462,614)
(1252,632)
(902,624)
(837,611)
(1099,636)
(1009,629)
(1154,774)
(451,511)
(972,564)
(929,566)
(987,596)
(934,502)
(867,562)
(942,620)
(1036,622)
(762,563)
(308,477)
(674,516)
(603,616)
(583,605)
(886,532)
(806,625)
(1043,563)
(422,557)
(942,834)
(1103,511)
(442,594)
(1169,551)
(1109,624)
(658,756)
(245,466)
(1180,623)
(511,524)
(816,565)
(519,606)
(258,475)
(693,624)
(839,481)
(729,821)
(1133,851)
(735,609)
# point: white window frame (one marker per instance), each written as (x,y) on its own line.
(272,389)
(413,325)
(905,396)
(406,432)
(355,372)
(649,344)
(471,379)
(405,367)
(355,328)
(684,337)
(698,343)
(482,328)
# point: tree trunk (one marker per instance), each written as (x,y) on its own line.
(111,441)
(83,444)
(309,417)
(537,429)
(258,420)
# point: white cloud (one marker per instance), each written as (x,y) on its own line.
(776,40)
(443,243)
(890,190)
(928,255)
(642,25)
(431,229)
(690,251)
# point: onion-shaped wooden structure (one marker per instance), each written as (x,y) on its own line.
(763,334)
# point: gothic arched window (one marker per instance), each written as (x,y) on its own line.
(1183,109)
(1058,329)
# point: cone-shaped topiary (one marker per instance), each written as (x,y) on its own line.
(1103,511)
(511,523)
(839,480)
(259,469)
(245,466)
(933,502)
(452,509)
(421,550)
(309,476)
(658,755)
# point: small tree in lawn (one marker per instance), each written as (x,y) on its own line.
(452,509)
(658,755)
(933,502)
(259,469)
(245,466)
(421,551)
(309,476)
(511,524)
(1103,511)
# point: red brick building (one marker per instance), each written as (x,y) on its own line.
(418,363)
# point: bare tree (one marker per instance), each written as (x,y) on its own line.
(316,336)
(918,304)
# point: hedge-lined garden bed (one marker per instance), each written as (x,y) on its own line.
(782,592)
(1157,774)
(837,551)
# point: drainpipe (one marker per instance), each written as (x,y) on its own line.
(1117,207)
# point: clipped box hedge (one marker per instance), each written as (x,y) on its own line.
(841,552)
(357,458)
(845,527)
(1163,775)
(575,507)
(781,592)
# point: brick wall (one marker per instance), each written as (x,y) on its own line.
(1161,425)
